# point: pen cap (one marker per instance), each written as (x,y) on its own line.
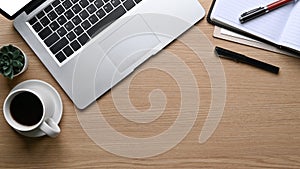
(252,14)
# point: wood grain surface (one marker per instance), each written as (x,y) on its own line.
(260,127)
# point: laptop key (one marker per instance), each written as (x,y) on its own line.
(76,9)
(75,45)
(137,1)
(45,33)
(71,36)
(51,39)
(69,25)
(48,9)
(83,14)
(83,3)
(93,19)
(52,15)
(62,20)
(115,3)
(108,7)
(59,10)
(59,45)
(85,24)
(100,13)
(60,57)
(54,26)
(45,21)
(99,3)
(91,9)
(37,27)
(67,4)
(69,14)
(68,51)
(78,30)
(83,39)
(76,20)
(40,15)
(98,27)
(129,4)
(32,21)
(55,3)
(61,31)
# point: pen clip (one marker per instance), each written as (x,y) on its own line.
(251,11)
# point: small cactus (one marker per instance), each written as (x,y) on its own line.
(11,61)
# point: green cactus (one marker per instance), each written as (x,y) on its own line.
(11,61)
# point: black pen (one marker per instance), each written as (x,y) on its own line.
(244,59)
(254,13)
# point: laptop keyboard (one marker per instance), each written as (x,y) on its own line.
(67,25)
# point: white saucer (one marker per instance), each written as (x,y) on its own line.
(56,98)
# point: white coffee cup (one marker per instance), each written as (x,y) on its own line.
(27,110)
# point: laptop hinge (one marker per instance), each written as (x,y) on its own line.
(33,5)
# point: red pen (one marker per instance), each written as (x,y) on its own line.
(254,13)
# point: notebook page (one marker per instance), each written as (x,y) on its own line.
(291,33)
(269,26)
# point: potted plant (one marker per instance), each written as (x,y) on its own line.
(13,61)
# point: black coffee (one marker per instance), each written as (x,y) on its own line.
(26,108)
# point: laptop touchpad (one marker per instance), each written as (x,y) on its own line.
(129,43)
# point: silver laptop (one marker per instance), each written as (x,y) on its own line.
(90,45)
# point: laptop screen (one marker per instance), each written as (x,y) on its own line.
(10,8)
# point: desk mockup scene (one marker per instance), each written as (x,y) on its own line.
(259,128)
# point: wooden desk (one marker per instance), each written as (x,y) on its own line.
(260,127)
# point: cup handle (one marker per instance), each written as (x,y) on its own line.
(50,128)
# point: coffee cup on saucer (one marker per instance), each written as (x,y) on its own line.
(30,109)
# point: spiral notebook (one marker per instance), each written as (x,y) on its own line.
(280,28)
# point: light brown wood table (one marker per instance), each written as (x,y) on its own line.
(260,126)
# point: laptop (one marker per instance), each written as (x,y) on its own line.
(89,46)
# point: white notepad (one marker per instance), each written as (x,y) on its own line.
(281,26)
